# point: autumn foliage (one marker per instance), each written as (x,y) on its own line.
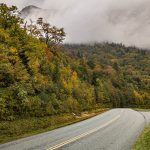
(37,80)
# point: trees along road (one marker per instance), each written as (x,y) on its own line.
(117,129)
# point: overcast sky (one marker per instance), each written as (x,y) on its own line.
(121,21)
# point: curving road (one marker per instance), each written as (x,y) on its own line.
(116,129)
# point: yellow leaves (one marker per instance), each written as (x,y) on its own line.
(74,76)
(69,79)
(3,35)
(67,86)
(13,51)
(136,94)
(74,79)
(114,60)
(66,73)
(42,82)
(97,68)
(20,73)
(34,64)
(138,97)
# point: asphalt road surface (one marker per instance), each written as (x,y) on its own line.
(116,129)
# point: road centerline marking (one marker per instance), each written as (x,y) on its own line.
(84,134)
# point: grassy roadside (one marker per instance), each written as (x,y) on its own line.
(143,142)
(12,130)
(142,110)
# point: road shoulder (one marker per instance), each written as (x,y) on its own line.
(143,142)
(13,130)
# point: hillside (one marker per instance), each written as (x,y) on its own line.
(37,80)
(120,75)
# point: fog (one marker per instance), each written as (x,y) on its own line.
(120,21)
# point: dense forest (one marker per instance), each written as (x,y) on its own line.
(119,75)
(41,77)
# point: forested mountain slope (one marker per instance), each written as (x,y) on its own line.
(35,79)
(38,80)
(120,75)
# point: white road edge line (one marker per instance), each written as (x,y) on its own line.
(84,134)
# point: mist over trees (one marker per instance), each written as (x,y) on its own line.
(119,21)
(44,31)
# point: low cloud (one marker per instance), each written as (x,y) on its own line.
(121,21)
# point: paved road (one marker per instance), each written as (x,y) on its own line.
(116,129)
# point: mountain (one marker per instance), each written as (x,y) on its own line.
(34,12)
(31,9)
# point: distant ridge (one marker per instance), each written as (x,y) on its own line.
(34,11)
(27,8)
(31,9)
